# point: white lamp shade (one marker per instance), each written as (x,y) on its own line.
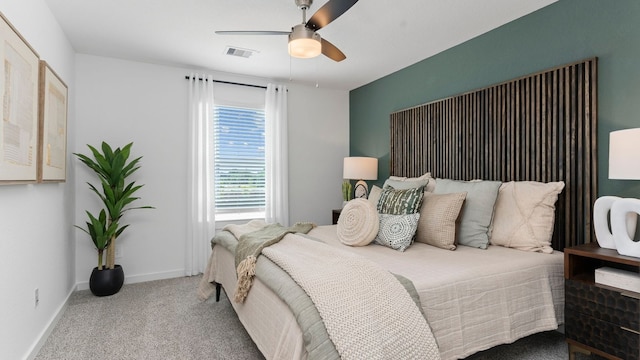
(624,154)
(360,168)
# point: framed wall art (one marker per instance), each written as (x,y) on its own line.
(19,68)
(52,145)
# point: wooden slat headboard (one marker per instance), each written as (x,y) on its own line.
(540,127)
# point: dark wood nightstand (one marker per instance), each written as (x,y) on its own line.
(335,214)
(600,319)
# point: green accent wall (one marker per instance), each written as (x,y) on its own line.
(564,32)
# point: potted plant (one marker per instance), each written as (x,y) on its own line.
(116,193)
(106,282)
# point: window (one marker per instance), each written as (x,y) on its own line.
(239,162)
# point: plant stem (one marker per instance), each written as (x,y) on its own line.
(111,253)
(100,259)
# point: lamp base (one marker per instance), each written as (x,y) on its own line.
(361,190)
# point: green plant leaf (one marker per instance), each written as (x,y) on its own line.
(106,149)
(98,229)
(103,165)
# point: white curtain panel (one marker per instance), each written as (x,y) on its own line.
(200,200)
(276,156)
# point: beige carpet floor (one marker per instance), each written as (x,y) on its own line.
(164,320)
(152,320)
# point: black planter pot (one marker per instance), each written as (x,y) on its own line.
(106,282)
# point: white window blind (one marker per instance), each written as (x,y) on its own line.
(239,160)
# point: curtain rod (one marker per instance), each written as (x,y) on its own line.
(230,83)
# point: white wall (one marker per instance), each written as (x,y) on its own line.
(123,101)
(36,238)
(318,142)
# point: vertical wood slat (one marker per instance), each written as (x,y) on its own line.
(540,127)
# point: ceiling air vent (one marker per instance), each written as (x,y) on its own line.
(234,51)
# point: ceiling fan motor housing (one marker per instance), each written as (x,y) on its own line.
(303,4)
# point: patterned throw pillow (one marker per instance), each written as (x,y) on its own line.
(400,202)
(397,231)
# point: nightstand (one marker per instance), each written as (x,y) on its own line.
(335,214)
(600,319)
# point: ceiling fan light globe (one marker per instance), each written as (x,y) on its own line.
(305,48)
(304,43)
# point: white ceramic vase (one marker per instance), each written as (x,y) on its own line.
(621,210)
(601,212)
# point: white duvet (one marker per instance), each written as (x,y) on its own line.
(473,299)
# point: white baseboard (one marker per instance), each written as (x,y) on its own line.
(44,335)
(132,279)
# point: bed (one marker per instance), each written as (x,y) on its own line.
(473,298)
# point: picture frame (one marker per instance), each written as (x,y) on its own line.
(19,82)
(52,126)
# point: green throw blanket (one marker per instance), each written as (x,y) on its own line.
(250,246)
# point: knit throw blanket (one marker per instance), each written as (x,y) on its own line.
(368,314)
(251,244)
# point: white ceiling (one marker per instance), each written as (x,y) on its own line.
(378,37)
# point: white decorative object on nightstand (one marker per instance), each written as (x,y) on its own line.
(620,211)
(601,211)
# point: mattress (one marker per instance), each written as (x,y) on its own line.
(473,299)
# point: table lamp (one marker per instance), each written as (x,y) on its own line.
(624,164)
(360,168)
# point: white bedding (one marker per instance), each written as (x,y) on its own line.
(473,299)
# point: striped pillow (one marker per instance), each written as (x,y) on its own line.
(400,202)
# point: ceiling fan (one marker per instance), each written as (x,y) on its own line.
(304,41)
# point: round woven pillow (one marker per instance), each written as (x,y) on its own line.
(358,223)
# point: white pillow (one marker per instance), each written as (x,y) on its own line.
(429,186)
(374,195)
(358,223)
(426,176)
(525,215)
(405,184)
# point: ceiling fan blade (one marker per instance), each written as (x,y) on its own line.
(329,12)
(253,32)
(332,52)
